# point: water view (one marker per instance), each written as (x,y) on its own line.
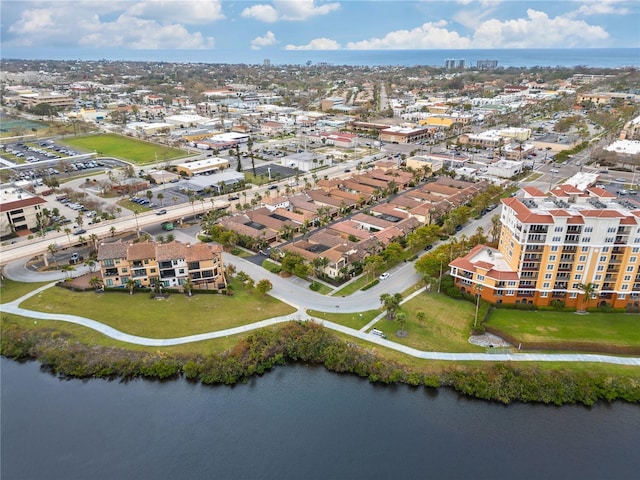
(298,422)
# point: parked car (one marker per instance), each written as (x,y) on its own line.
(384,276)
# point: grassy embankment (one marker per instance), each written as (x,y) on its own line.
(444,327)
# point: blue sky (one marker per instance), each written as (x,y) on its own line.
(102,27)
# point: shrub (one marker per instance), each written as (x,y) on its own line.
(315,286)
(371,284)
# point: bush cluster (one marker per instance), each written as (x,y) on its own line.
(309,343)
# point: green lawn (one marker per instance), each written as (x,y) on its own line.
(549,326)
(135,151)
(354,286)
(351,320)
(444,329)
(10,290)
(176,316)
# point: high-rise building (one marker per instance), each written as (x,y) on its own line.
(552,245)
(486,64)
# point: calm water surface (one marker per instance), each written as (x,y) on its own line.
(298,423)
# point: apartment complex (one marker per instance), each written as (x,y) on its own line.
(170,264)
(19,210)
(551,244)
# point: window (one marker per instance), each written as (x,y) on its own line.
(627,278)
(108,262)
(633,259)
(611,230)
(575,286)
(586,240)
(554,248)
(480,278)
(545,285)
(556,239)
(510,292)
(582,258)
(153,270)
(608,240)
(630,269)
(588,229)
(605,249)
(635,250)
(550,267)
(573,295)
(603,259)
(557,229)
(125,270)
(580,268)
(622,296)
(552,258)
(598,277)
(600,268)
(584,249)
(109,282)
(578,277)
(625,287)
(511,284)
(547,276)
(146,262)
(181,271)
(544,294)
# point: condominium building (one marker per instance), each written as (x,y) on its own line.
(19,210)
(170,264)
(553,243)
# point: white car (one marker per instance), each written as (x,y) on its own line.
(384,276)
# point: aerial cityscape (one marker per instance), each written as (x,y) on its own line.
(440,200)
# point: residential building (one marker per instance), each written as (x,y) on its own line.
(553,244)
(18,211)
(169,264)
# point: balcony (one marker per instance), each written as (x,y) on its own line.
(621,240)
(165,265)
(558,294)
(570,249)
(137,263)
(525,293)
(560,285)
(110,272)
(624,230)
(572,229)
(538,229)
(139,273)
(536,238)
(571,238)
(534,248)
(167,273)
(563,276)
(567,258)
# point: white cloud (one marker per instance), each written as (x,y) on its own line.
(316,44)
(265,41)
(602,7)
(82,23)
(538,31)
(429,35)
(264,13)
(33,21)
(292,10)
(184,11)
(137,34)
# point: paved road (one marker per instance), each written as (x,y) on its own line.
(14,308)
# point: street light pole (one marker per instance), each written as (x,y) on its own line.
(478,289)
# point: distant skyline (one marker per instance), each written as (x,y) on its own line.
(115,29)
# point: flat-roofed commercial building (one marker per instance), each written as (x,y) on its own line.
(203,167)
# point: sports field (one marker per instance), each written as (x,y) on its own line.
(125,148)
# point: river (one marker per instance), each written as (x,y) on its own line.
(298,423)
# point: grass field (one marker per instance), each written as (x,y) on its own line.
(612,328)
(125,148)
(175,316)
(10,290)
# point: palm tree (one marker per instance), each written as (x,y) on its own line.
(588,291)
(68,232)
(53,248)
(131,285)
(113,231)
(401,317)
(95,283)
(160,197)
(391,303)
(188,286)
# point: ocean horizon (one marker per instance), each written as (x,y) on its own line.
(506,58)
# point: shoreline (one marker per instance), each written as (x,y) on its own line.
(310,343)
